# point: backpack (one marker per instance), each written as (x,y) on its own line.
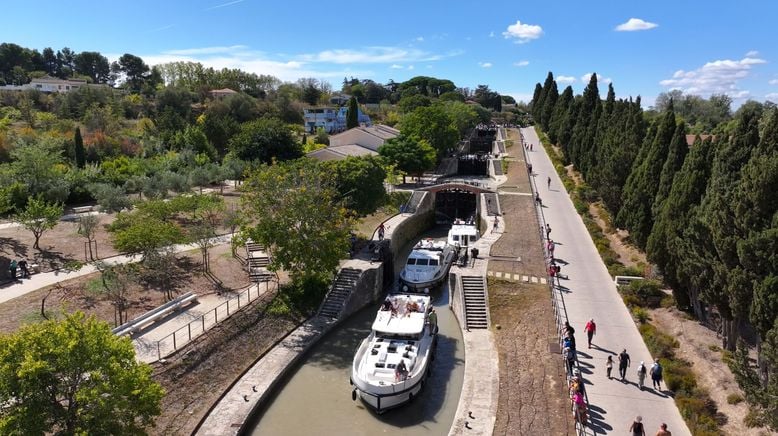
(642,370)
(656,371)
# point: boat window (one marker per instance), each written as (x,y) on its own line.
(433,262)
(411,261)
(422,262)
(455,238)
(472,238)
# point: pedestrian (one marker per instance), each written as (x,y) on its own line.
(551,270)
(23,268)
(529,168)
(571,340)
(538,200)
(548,231)
(637,427)
(570,359)
(530,146)
(609,366)
(623,363)
(12,269)
(641,374)
(567,328)
(381,231)
(656,375)
(474,252)
(558,270)
(550,246)
(549,182)
(433,320)
(591,330)
(496,223)
(663,431)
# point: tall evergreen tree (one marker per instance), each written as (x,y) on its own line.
(561,110)
(549,103)
(537,110)
(352,114)
(536,101)
(579,143)
(642,183)
(675,157)
(80,153)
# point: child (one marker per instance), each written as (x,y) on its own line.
(609,366)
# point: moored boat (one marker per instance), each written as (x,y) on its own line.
(427,266)
(463,234)
(392,363)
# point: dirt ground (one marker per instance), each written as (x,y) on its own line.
(75,294)
(533,395)
(700,346)
(197,377)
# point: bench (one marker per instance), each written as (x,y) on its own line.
(83,209)
(625,280)
(153,315)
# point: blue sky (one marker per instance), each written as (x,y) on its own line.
(701,47)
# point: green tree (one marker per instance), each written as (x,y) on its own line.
(78,144)
(297,207)
(408,155)
(87,227)
(74,377)
(39,216)
(410,103)
(463,116)
(264,140)
(310,90)
(135,71)
(360,182)
(433,125)
(94,65)
(352,114)
(549,104)
(139,233)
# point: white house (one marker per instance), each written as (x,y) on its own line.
(331,119)
(50,84)
(359,141)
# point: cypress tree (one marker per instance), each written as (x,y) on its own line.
(537,110)
(567,127)
(536,101)
(642,183)
(549,103)
(675,156)
(579,142)
(352,114)
(80,153)
(666,245)
(560,112)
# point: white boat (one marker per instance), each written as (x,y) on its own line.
(402,336)
(427,266)
(463,234)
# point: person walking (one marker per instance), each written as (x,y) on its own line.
(530,146)
(641,374)
(549,182)
(591,330)
(381,231)
(663,431)
(548,230)
(609,366)
(637,427)
(656,375)
(623,363)
(433,320)
(12,269)
(496,223)
(23,268)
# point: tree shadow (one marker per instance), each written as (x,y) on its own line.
(17,249)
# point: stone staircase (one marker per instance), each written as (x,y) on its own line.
(474,292)
(492,204)
(257,261)
(414,201)
(497,165)
(339,292)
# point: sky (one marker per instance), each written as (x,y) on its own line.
(642,47)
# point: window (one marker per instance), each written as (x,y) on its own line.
(455,238)
(433,262)
(422,262)
(411,261)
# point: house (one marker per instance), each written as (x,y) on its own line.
(359,141)
(339,99)
(218,94)
(49,84)
(691,138)
(332,120)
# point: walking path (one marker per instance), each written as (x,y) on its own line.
(589,292)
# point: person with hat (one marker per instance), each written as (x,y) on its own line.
(637,427)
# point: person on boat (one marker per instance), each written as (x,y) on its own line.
(433,320)
(411,306)
(400,372)
(387,305)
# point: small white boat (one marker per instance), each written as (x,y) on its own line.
(391,364)
(427,266)
(463,234)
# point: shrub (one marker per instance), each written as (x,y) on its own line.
(647,292)
(734,398)
(659,344)
(678,376)
(640,314)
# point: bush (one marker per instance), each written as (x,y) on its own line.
(647,292)
(659,344)
(734,398)
(640,314)
(678,376)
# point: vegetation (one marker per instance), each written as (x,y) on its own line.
(39,216)
(74,377)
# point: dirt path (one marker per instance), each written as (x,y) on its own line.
(699,346)
(628,255)
(533,398)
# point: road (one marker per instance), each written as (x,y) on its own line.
(591,293)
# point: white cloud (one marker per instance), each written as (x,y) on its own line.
(717,77)
(521,64)
(523,32)
(491,34)
(586,77)
(520,96)
(773,82)
(420,38)
(236,49)
(773,96)
(565,79)
(396,67)
(485,64)
(410,67)
(634,24)
(371,55)
(752,54)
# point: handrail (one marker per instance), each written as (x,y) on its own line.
(152,314)
(580,426)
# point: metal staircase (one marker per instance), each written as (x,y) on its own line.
(474,291)
(257,261)
(339,292)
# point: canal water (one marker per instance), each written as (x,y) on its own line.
(316,399)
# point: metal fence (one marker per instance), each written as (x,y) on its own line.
(560,310)
(179,338)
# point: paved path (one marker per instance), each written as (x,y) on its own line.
(592,294)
